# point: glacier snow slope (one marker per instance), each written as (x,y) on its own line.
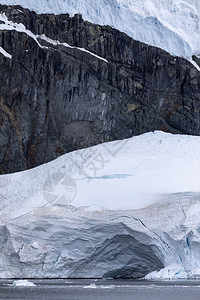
(122,209)
(173,25)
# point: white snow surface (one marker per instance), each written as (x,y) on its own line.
(123,175)
(173,25)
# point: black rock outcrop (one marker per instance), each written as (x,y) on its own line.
(56,99)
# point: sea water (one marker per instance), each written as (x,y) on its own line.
(100,289)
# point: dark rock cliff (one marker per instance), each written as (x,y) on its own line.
(56,99)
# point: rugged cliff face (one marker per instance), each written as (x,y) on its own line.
(55,98)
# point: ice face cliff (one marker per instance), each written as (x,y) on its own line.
(122,209)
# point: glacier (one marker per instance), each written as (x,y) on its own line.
(173,25)
(124,209)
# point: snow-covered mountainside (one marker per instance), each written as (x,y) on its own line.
(67,84)
(121,209)
(173,25)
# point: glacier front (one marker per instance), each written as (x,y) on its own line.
(125,209)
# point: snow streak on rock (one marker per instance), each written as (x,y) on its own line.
(5,53)
(9,25)
(172,25)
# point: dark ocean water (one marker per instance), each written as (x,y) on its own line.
(101,290)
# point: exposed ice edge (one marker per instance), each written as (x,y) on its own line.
(57,243)
(127,233)
(9,25)
(173,271)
